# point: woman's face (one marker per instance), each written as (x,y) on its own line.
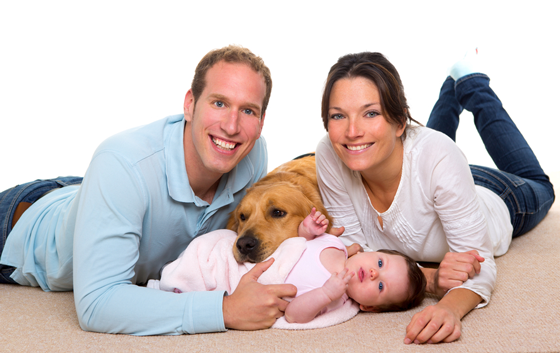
(362,138)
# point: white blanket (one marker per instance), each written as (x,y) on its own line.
(208,264)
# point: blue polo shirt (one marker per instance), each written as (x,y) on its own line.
(134,212)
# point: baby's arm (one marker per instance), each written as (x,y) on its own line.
(306,307)
(313,225)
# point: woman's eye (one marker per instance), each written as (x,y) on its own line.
(372,114)
(380,286)
(336,117)
(380,263)
(219,104)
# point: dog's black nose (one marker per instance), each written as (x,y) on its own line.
(247,244)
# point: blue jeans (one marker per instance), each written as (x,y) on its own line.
(9,200)
(520,180)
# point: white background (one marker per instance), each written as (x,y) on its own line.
(73,72)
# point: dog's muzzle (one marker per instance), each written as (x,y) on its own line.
(247,245)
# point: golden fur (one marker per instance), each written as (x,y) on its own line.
(273,209)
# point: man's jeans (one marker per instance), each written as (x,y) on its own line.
(520,180)
(9,200)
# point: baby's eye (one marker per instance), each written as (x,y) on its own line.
(219,104)
(380,263)
(380,286)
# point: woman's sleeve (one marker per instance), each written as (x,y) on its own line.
(333,183)
(457,204)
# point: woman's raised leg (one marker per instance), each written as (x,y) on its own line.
(503,140)
(520,180)
(445,114)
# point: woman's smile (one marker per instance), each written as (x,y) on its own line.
(359,147)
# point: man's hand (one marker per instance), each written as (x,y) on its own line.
(454,270)
(254,306)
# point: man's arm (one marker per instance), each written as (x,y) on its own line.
(110,208)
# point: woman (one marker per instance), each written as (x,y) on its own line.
(392,185)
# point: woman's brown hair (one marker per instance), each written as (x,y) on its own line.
(376,68)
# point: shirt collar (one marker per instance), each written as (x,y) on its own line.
(178,181)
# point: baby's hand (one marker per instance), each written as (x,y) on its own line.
(336,286)
(315,223)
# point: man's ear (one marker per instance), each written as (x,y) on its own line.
(261,123)
(369,308)
(188,105)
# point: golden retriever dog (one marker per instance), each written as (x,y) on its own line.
(273,209)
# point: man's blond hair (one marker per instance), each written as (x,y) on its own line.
(231,54)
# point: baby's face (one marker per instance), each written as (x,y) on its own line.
(379,279)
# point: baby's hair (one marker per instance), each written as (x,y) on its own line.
(417,285)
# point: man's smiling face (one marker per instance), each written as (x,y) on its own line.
(226,120)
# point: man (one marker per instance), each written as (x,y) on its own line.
(147,193)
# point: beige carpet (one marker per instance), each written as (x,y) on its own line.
(523,316)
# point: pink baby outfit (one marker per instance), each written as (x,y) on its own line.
(309,273)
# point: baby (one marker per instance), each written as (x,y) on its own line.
(323,274)
(325,277)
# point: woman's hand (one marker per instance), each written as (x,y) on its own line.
(442,322)
(354,249)
(434,324)
(454,270)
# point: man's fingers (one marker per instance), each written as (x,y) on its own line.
(282,305)
(282,290)
(258,270)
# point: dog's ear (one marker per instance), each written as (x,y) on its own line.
(314,197)
(232,223)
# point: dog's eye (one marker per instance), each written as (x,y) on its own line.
(278,213)
(242,217)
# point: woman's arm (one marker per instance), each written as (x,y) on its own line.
(447,181)
(307,306)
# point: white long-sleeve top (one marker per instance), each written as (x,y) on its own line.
(437,207)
